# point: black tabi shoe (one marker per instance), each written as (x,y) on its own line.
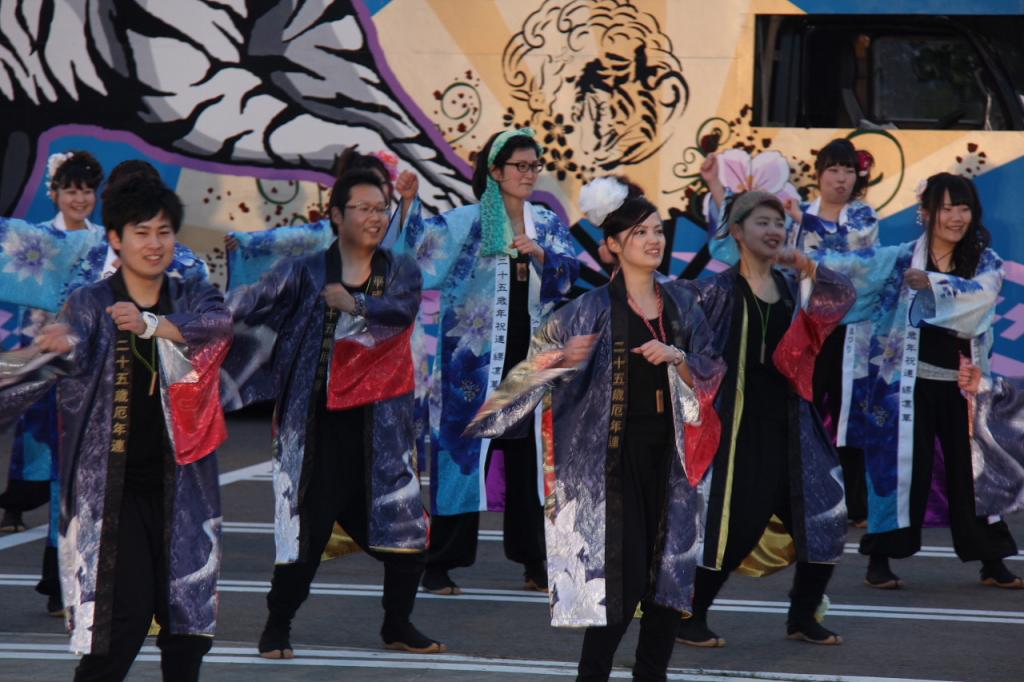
(535,578)
(274,642)
(405,637)
(880,576)
(55,606)
(11,522)
(436,581)
(809,630)
(996,574)
(694,631)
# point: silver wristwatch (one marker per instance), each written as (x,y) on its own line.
(152,321)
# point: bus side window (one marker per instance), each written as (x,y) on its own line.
(925,72)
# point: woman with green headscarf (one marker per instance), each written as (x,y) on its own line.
(500,265)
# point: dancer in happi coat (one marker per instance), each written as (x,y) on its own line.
(500,265)
(626,388)
(136,358)
(327,336)
(929,301)
(774,458)
(73,179)
(838,220)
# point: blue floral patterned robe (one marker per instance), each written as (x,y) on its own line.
(818,503)
(582,512)
(471,339)
(883,419)
(278,341)
(92,476)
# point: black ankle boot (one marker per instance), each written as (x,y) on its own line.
(805,628)
(879,574)
(403,636)
(994,572)
(694,631)
(275,640)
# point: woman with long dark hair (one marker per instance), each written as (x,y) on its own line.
(500,265)
(930,301)
(628,432)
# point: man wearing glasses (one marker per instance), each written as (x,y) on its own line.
(327,336)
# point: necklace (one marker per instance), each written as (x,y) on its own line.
(765,316)
(939,259)
(659,395)
(663,337)
(151,365)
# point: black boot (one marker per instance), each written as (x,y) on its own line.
(403,636)
(694,631)
(805,628)
(437,581)
(995,573)
(535,577)
(275,641)
(879,574)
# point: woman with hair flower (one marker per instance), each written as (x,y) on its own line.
(628,430)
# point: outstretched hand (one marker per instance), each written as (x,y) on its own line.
(577,350)
(916,279)
(407,185)
(796,259)
(55,338)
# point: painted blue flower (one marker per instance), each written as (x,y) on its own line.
(29,256)
(473,330)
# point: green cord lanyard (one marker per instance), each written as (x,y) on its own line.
(151,365)
(764,323)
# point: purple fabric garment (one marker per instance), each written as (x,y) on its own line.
(89,514)
(936,514)
(279,323)
(496,481)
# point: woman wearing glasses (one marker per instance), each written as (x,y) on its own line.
(500,265)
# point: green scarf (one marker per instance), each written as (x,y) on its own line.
(495,226)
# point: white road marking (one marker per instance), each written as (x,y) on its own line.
(364,658)
(470,594)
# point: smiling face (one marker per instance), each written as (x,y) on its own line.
(641,247)
(76,203)
(363,221)
(145,248)
(951,223)
(514,182)
(836,184)
(761,234)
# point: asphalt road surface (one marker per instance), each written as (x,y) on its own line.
(943,626)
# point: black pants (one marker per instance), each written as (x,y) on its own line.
(140,592)
(453,538)
(760,489)
(337,492)
(645,460)
(49,583)
(828,396)
(941,411)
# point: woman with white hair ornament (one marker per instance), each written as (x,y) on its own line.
(626,389)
